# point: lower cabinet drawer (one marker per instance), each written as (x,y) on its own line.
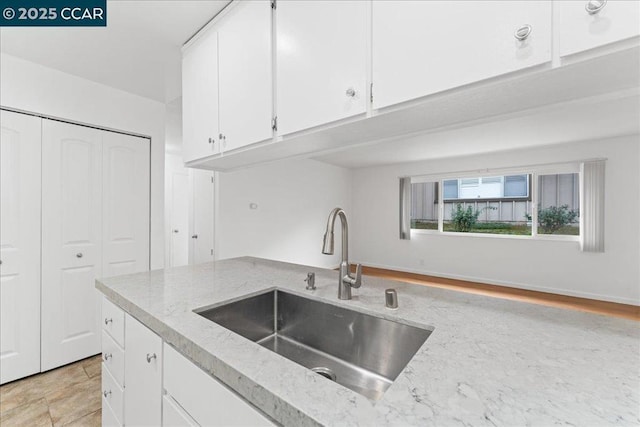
(113,357)
(203,397)
(113,320)
(112,395)
(174,416)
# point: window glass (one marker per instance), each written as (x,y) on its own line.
(516,186)
(424,205)
(450,189)
(559,204)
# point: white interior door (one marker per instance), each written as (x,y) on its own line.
(180,237)
(321,62)
(202,232)
(19,245)
(71,242)
(244,67)
(125,201)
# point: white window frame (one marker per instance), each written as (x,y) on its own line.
(533,171)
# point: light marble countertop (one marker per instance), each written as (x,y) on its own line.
(488,361)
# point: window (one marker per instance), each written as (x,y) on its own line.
(499,204)
(559,204)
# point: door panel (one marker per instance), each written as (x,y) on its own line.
(71,242)
(20,156)
(202,200)
(246,86)
(200,98)
(321,54)
(125,202)
(424,47)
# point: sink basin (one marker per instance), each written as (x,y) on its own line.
(362,352)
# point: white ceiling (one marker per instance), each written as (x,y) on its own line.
(138,51)
(602,117)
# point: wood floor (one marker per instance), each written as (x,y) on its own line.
(554,300)
(67,396)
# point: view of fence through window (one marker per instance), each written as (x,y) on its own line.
(498,204)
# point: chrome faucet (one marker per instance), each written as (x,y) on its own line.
(345,280)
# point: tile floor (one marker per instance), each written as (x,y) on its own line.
(67,396)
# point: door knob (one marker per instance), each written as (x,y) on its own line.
(351,92)
(594,6)
(195,236)
(176,231)
(523,32)
(79,255)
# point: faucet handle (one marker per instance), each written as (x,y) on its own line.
(358,279)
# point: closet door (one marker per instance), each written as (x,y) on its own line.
(125,202)
(19,245)
(71,242)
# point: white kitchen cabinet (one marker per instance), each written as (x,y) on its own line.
(95,223)
(205,400)
(424,47)
(20,158)
(609,21)
(174,416)
(246,86)
(321,62)
(142,375)
(71,242)
(200,98)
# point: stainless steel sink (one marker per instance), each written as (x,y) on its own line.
(362,352)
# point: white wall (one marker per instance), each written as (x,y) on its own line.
(294,199)
(553,266)
(32,87)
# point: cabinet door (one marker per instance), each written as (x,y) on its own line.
(580,30)
(424,47)
(321,62)
(200,98)
(125,198)
(19,245)
(142,375)
(246,98)
(71,242)
(202,219)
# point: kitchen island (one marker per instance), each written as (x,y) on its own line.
(488,361)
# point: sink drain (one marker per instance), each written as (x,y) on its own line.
(325,372)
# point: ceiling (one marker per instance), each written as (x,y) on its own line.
(602,117)
(138,51)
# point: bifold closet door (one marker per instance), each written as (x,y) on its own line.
(19,245)
(71,242)
(125,201)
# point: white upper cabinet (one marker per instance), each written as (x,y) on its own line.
(321,62)
(245,72)
(200,98)
(584,25)
(424,47)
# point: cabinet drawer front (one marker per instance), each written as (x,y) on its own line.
(113,321)
(113,358)
(205,399)
(109,419)
(173,415)
(579,31)
(112,393)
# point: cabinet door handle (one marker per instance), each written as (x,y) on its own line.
(594,6)
(107,321)
(79,255)
(107,356)
(351,92)
(211,141)
(523,32)
(150,357)
(106,393)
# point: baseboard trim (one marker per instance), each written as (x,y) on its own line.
(535,296)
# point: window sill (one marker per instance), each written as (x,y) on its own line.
(548,237)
